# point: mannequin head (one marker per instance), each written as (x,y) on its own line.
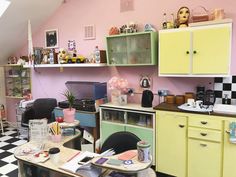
(183,16)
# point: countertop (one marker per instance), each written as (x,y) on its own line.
(174,108)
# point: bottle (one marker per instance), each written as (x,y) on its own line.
(97,55)
(164,24)
(51,56)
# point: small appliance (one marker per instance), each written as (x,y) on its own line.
(147,98)
(209,98)
(200,93)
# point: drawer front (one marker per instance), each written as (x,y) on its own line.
(204,134)
(203,122)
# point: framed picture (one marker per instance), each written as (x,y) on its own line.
(51,38)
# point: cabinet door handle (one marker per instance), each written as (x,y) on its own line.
(187,52)
(227,131)
(181,126)
(203,122)
(194,52)
(203,144)
(203,134)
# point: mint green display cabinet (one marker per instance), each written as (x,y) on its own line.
(132,49)
(130,117)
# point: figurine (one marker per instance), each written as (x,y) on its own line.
(183,17)
(114,30)
(62,54)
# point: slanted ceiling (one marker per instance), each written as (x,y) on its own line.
(14,22)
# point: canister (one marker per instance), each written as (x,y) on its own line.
(188,95)
(170,99)
(143,149)
(179,99)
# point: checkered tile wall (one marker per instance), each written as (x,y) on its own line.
(225,86)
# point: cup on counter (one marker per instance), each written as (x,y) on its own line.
(56,138)
(190,102)
(143,149)
(199,104)
(54,155)
(188,95)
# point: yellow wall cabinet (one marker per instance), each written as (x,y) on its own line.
(229,153)
(201,51)
(171,143)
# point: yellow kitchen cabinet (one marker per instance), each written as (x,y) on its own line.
(229,154)
(171,143)
(173,57)
(202,51)
(204,158)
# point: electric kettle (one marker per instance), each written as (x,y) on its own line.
(147,98)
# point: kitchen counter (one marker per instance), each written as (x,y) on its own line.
(174,108)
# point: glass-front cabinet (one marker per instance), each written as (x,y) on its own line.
(132,49)
(17,81)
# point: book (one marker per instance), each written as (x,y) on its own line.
(79,161)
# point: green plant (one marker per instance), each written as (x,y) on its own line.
(70,98)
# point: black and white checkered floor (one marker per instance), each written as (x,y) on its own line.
(8,144)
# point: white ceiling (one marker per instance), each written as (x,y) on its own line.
(14,23)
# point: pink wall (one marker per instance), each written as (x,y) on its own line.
(73,15)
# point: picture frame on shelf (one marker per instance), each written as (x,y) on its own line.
(51,38)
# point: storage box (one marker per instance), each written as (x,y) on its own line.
(87,144)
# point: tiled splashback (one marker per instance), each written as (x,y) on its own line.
(223,86)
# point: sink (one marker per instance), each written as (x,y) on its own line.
(224,109)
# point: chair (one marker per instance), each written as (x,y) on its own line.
(42,108)
(120,142)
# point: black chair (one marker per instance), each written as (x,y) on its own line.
(120,142)
(42,108)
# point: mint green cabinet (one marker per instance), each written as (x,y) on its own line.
(132,118)
(133,49)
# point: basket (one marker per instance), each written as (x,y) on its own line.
(200,14)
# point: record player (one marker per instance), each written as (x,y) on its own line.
(89,95)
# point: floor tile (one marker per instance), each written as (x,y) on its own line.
(7,168)
(13,173)
(20,142)
(12,150)
(12,140)
(4,154)
(3,144)
(2,163)
(9,132)
(4,138)
(9,159)
(7,147)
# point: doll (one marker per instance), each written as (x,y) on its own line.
(183,17)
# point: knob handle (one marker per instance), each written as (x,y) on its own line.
(181,126)
(227,131)
(203,134)
(204,122)
(194,52)
(187,52)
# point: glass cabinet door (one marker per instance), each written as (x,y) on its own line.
(132,49)
(140,119)
(139,49)
(17,81)
(113,116)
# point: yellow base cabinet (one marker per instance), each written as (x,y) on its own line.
(171,143)
(229,164)
(204,158)
(190,51)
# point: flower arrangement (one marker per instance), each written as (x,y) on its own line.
(116,83)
